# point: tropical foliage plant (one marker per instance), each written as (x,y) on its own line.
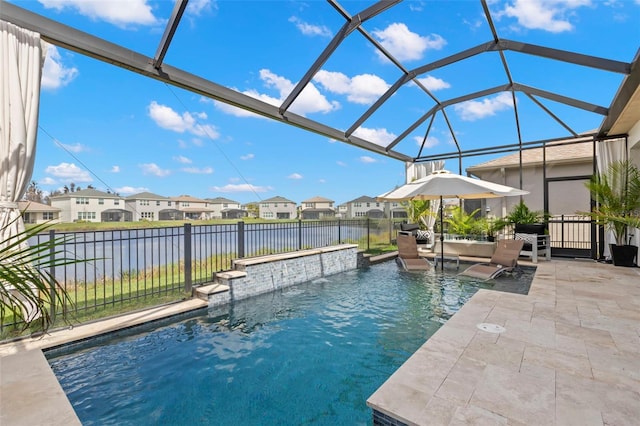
(617,193)
(462,223)
(27,288)
(418,211)
(521,213)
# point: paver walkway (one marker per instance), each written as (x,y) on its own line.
(569,355)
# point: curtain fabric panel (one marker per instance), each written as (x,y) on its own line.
(21,57)
(608,152)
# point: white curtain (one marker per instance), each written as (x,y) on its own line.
(416,171)
(607,152)
(21,57)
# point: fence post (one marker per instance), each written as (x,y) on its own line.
(52,275)
(240,242)
(339,232)
(299,234)
(187,258)
(368,233)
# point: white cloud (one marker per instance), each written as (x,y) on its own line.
(55,74)
(547,15)
(154,169)
(475,110)
(197,7)
(361,89)
(311,30)
(47,181)
(245,187)
(295,176)
(182,159)
(416,6)
(341,163)
(405,45)
(433,83)
(322,181)
(115,169)
(198,171)
(429,143)
(131,189)
(309,101)
(167,118)
(121,13)
(77,147)
(367,160)
(377,136)
(69,172)
(247,157)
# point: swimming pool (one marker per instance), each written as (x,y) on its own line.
(308,354)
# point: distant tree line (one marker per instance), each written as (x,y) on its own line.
(35,194)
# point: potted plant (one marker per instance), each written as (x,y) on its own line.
(492,226)
(522,214)
(462,223)
(617,193)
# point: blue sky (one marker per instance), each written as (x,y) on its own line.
(113,129)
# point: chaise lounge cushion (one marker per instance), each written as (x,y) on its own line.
(422,237)
(529,233)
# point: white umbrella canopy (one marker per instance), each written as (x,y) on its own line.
(446,185)
(442,185)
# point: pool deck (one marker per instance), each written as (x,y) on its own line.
(569,355)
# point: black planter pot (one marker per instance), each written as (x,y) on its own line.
(624,255)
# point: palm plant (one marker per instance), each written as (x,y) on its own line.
(463,223)
(28,289)
(418,211)
(521,213)
(617,193)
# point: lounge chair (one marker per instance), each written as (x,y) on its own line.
(504,259)
(408,257)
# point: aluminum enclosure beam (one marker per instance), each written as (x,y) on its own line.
(102,50)
(346,29)
(629,86)
(169,31)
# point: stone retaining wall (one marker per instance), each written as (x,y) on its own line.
(263,274)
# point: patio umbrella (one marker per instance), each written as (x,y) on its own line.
(442,185)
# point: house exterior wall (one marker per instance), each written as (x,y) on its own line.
(317,205)
(147,208)
(85,208)
(277,210)
(217,208)
(38,217)
(566,197)
(360,209)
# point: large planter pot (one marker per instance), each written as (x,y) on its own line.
(624,255)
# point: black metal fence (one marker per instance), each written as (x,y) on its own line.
(122,268)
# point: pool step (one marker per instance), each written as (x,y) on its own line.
(214,293)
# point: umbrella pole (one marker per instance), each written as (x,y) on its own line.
(441,235)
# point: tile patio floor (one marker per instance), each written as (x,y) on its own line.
(569,355)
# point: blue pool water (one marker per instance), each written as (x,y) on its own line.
(309,354)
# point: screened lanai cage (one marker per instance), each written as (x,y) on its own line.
(528,94)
